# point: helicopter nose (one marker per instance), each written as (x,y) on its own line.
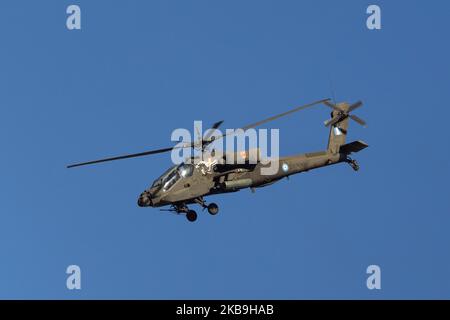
(144,200)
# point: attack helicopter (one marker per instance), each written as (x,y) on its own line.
(190,182)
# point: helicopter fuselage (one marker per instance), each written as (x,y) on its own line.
(176,187)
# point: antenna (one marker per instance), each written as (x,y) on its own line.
(333,95)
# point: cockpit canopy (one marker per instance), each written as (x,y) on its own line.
(172,175)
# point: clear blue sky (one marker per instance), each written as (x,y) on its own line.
(139,69)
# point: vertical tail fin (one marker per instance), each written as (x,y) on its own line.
(338,131)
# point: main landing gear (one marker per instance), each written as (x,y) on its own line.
(191,215)
(213,209)
(353,163)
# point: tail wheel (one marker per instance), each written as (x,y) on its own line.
(213,209)
(191,215)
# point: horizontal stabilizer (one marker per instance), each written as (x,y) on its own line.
(354,146)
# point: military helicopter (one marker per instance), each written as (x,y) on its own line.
(191,181)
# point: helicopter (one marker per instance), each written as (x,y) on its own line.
(189,182)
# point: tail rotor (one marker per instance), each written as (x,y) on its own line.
(343,114)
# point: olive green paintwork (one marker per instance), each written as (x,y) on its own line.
(190,189)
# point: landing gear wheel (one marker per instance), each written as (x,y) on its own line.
(213,209)
(355,165)
(191,215)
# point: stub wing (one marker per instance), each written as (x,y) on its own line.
(354,146)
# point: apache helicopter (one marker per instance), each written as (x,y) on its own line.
(190,182)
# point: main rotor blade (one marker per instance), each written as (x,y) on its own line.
(256,124)
(193,144)
(354,106)
(359,120)
(216,125)
(211,131)
(134,155)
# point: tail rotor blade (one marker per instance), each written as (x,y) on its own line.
(331,105)
(358,120)
(354,106)
(331,121)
